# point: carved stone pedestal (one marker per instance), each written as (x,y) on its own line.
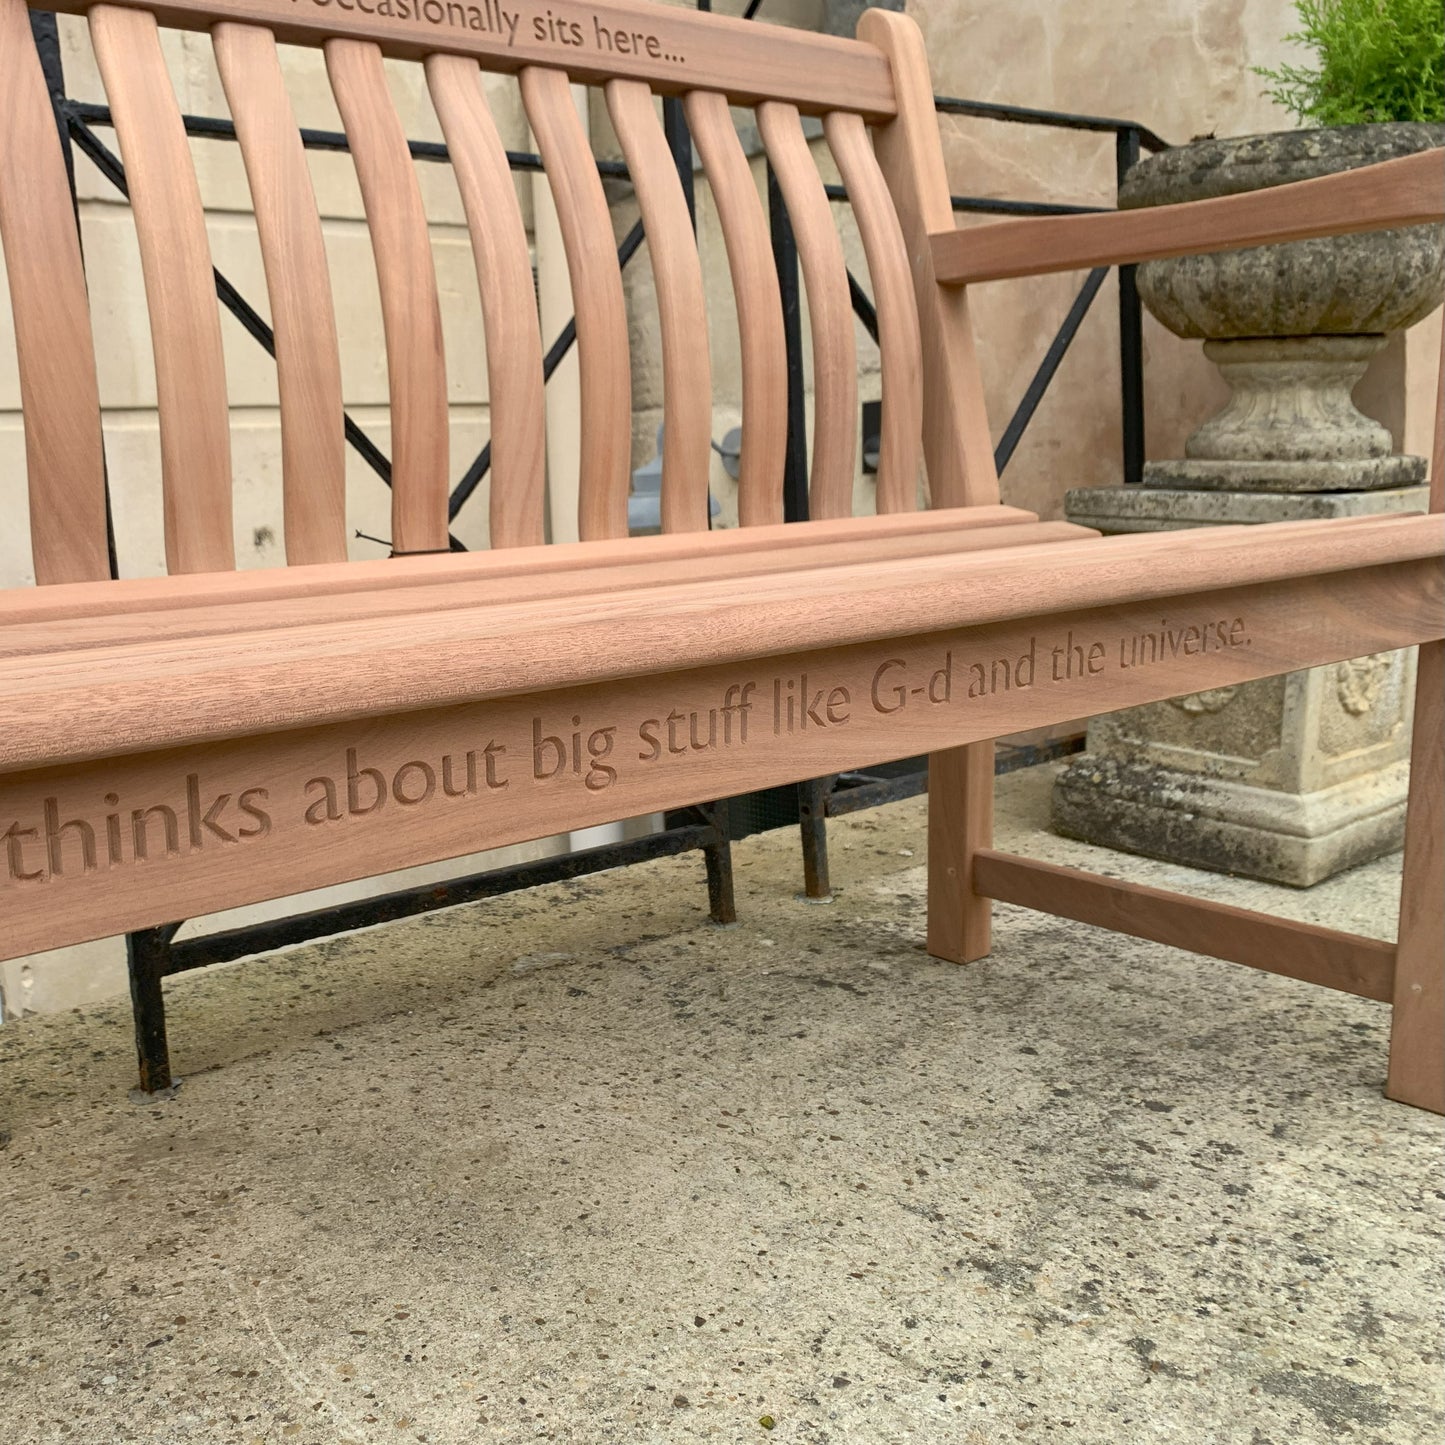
(1291,424)
(1289,779)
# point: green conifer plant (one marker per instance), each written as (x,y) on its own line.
(1379,60)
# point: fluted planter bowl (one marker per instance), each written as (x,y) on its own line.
(1369,282)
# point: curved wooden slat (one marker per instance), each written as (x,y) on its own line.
(509,310)
(672,248)
(830,312)
(410,313)
(1437,445)
(180,290)
(586,225)
(58,395)
(308,363)
(899,342)
(760,307)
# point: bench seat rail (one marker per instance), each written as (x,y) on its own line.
(295,749)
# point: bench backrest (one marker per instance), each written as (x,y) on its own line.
(632,50)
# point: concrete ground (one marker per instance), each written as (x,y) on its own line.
(578,1166)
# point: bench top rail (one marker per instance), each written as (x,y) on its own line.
(633,50)
(673,50)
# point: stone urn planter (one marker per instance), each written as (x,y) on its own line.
(1292,327)
(1294,778)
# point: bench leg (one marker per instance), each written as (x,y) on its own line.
(146,959)
(960,821)
(813,824)
(1417,1026)
(721,903)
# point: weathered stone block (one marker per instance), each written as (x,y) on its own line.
(1290,778)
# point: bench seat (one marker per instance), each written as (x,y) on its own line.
(89,685)
(516,573)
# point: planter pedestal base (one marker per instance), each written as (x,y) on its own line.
(1289,779)
(1160,509)
(1228,826)
(1201,474)
(1291,424)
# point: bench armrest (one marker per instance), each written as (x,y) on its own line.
(1404,192)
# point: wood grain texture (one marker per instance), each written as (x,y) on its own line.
(899,342)
(1404,192)
(1417,1027)
(1344,961)
(960,822)
(509,312)
(308,362)
(956,443)
(763,351)
(205,732)
(854,706)
(1437,447)
(180,291)
(225,611)
(1233,555)
(830,312)
(682,317)
(410,313)
(85,702)
(59,401)
(139,594)
(672,49)
(597,300)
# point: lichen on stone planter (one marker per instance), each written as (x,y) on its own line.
(1292,326)
(1373,281)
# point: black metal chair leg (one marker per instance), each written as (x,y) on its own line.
(813,823)
(146,956)
(718,855)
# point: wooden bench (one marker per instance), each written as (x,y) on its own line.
(178,745)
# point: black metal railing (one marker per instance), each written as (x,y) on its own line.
(156,953)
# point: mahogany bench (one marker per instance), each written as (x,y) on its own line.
(177,745)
